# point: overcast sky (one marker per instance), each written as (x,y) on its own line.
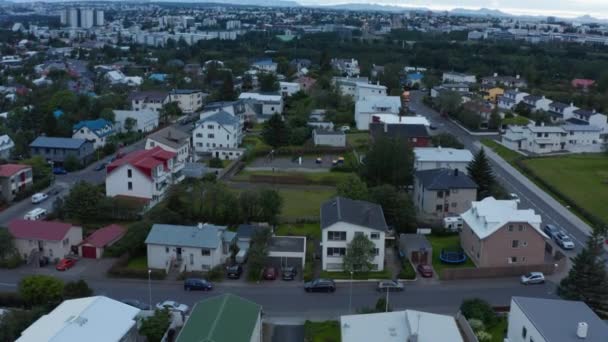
(563,8)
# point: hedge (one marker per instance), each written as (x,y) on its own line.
(216,274)
(120,270)
(11,300)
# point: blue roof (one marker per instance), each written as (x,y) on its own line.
(415,76)
(207,236)
(96,126)
(158,77)
(58,113)
(266,61)
(221,117)
(53,142)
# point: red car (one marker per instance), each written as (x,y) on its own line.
(270,273)
(425,270)
(65,264)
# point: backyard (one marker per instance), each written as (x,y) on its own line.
(304,203)
(328,331)
(449,242)
(315,178)
(310,230)
(507,154)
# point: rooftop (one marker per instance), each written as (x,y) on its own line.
(38,230)
(103,236)
(144,160)
(171,137)
(96,126)
(360,213)
(221,117)
(398,131)
(430,154)
(56,142)
(287,244)
(7,170)
(445,179)
(200,236)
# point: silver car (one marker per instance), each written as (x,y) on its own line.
(389,285)
(564,241)
(533,278)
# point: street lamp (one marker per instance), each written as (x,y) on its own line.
(386,307)
(150,288)
(350,297)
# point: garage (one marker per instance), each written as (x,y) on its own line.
(287,251)
(89,252)
(93,246)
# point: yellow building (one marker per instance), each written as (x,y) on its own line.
(492,94)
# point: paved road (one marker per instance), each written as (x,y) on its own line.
(511,182)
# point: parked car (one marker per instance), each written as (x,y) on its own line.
(101,166)
(432,127)
(197,284)
(551,230)
(172,306)
(389,285)
(514,197)
(320,285)
(270,273)
(234,271)
(65,264)
(54,191)
(289,273)
(564,241)
(39,197)
(345,129)
(58,170)
(425,270)
(533,278)
(136,304)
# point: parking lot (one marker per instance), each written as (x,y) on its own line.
(308,163)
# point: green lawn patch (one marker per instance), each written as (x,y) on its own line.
(498,330)
(303,203)
(310,230)
(407,270)
(359,141)
(450,242)
(507,154)
(312,178)
(386,274)
(138,263)
(328,331)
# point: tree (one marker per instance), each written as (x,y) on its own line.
(227,91)
(271,203)
(275,132)
(258,253)
(71,163)
(40,290)
(13,322)
(82,202)
(398,208)
(477,308)
(76,289)
(7,245)
(353,187)
(170,110)
(248,205)
(359,254)
(389,161)
(130,124)
(268,82)
(495,120)
(155,326)
(587,280)
(447,140)
(449,102)
(480,170)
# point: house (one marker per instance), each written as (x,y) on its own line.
(269,104)
(188,100)
(93,319)
(37,239)
(583,138)
(457,77)
(346,67)
(219,134)
(14,179)
(173,140)
(367,107)
(58,149)
(306,83)
(440,193)
(402,326)
(589,117)
(549,139)
(534,319)
(93,246)
(287,251)
(492,93)
(401,119)
(461,88)
(289,88)
(428,158)
(510,99)
(6,146)
(323,137)
(416,135)
(213,319)
(348,85)
(239,109)
(144,174)
(266,65)
(148,100)
(582,83)
(363,90)
(188,248)
(505,81)
(142,121)
(343,218)
(561,111)
(96,131)
(496,233)
(537,103)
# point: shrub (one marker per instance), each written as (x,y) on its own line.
(119,270)
(478,309)
(407,270)
(11,300)
(216,163)
(11,262)
(216,274)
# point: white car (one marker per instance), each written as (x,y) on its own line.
(533,278)
(514,197)
(39,197)
(172,306)
(345,128)
(564,241)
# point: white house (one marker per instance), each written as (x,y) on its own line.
(173,140)
(144,174)
(6,146)
(322,137)
(92,319)
(428,158)
(537,103)
(399,326)
(188,100)
(363,90)
(266,65)
(220,135)
(346,67)
(145,120)
(95,131)
(342,219)
(188,248)
(589,117)
(367,107)
(457,77)
(510,99)
(548,139)
(148,100)
(271,104)
(36,239)
(289,88)
(553,320)
(348,85)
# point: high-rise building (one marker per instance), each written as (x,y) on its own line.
(63,17)
(99,18)
(73,17)
(87,18)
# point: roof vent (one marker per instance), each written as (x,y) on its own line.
(581,330)
(200,225)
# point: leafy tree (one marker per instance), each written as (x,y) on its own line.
(258,253)
(76,289)
(389,161)
(170,110)
(275,132)
(40,289)
(449,101)
(268,82)
(7,245)
(130,124)
(13,322)
(587,280)
(271,203)
(480,170)
(299,135)
(227,92)
(353,187)
(398,208)
(495,119)
(476,308)
(71,163)
(359,254)
(108,114)
(447,140)
(155,326)
(248,205)
(82,202)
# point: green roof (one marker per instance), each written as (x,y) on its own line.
(225,318)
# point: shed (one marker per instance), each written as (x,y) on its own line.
(415,247)
(93,246)
(287,251)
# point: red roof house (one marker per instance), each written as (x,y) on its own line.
(94,244)
(144,160)
(582,83)
(44,238)
(14,178)
(8,170)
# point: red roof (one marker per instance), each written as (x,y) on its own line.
(582,82)
(103,236)
(8,170)
(38,230)
(144,160)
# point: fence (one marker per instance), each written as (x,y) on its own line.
(465,328)
(507,271)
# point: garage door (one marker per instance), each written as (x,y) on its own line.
(89,252)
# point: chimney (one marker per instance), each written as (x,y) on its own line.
(456,172)
(200,225)
(581,330)
(495,74)
(385,127)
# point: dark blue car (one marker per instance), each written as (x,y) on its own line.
(194,284)
(58,170)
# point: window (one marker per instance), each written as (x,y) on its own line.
(454,204)
(199,135)
(336,251)
(510,227)
(198,144)
(439,207)
(374,236)
(227,136)
(129,173)
(375,251)
(439,194)
(130,185)
(524,332)
(205,252)
(512,260)
(191,259)
(336,236)
(524,243)
(209,126)
(521,228)
(515,244)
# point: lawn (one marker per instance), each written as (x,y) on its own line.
(313,178)
(138,263)
(328,331)
(358,141)
(451,242)
(303,203)
(583,178)
(507,154)
(311,230)
(498,330)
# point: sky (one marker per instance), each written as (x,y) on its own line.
(560,8)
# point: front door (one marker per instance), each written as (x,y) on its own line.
(178,252)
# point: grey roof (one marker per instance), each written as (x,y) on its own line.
(151,95)
(171,137)
(360,213)
(222,117)
(558,105)
(56,142)
(445,179)
(320,131)
(397,131)
(246,231)
(287,244)
(581,128)
(532,98)
(557,320)
(207,236)
(584,112)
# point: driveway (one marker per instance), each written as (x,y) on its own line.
(84,268)
(288,333)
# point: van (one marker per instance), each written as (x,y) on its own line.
(39,197)
(452,224)
(35,214)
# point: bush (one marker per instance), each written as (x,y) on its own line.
(216,274)
(119,270)
(216,163)
(478,309)
(71,163)
(407,270)
(11,300)
(11,262)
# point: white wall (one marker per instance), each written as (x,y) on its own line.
(210,135)
(87,134)
(117,183)
(182,153)
(430,165)
(350,230)
(51,249)
(158,257)
(188,103)
(517,321)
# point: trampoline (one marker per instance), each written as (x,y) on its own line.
(452,256)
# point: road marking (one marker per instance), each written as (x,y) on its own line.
(8,284)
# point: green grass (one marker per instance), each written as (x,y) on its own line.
(138,263)
(407,270)
(313,178)
(357,275)
(358,141)
(507,154)
(450,242)
(583,178)
(498,330)
(303,203)
(310,230)
(328,331)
